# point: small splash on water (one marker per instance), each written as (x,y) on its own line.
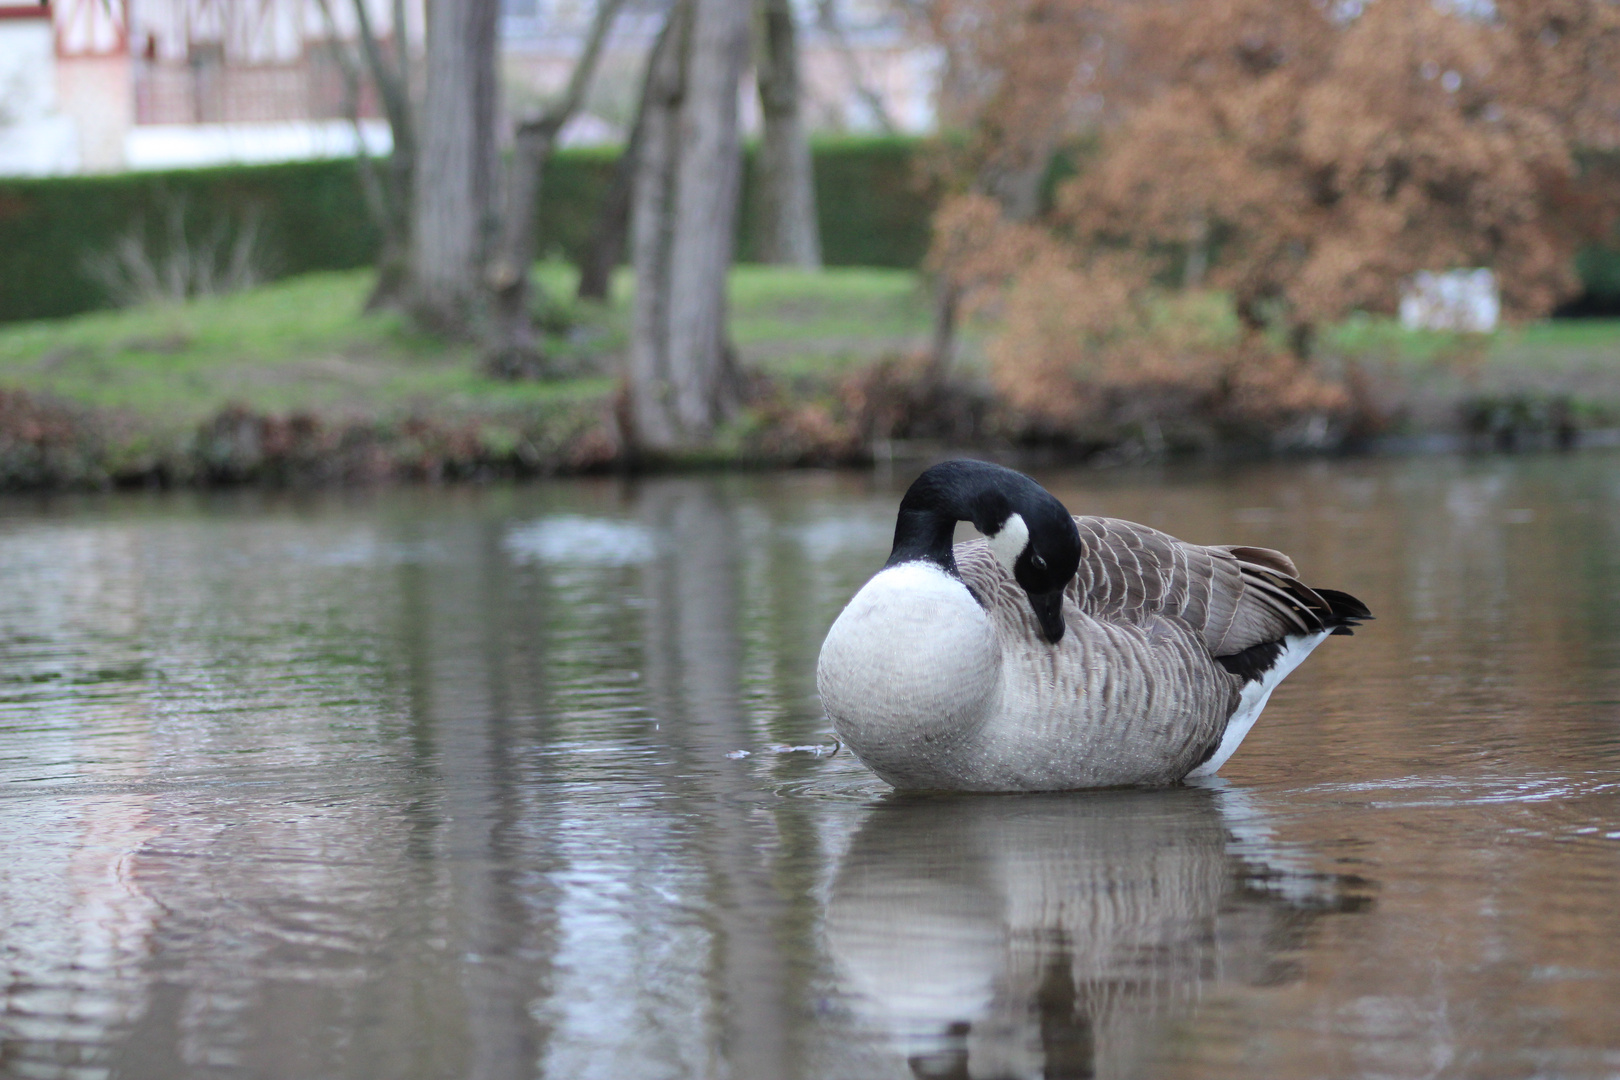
(813,749)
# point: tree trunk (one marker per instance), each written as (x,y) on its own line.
(605,249)
(785,223)
(512,350)
(942,348)
(683,230)
(451,213)
(393,266)
(388,193)
(1197,264)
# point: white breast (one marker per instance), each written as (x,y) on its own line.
(909,672)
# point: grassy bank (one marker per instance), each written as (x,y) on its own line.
(291,382)
(303,345)
(1520,383)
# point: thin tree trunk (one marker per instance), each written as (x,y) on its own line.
(605,248)
(451,211)
(392,190)
(943,346)
(371,183)
(513,349)
(393,274)
(1197,264)
(785,226)
(685,206)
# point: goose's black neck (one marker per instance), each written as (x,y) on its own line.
(954,491)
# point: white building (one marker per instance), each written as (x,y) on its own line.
(36,136)
(114,84)
(102,85)
(1459,300)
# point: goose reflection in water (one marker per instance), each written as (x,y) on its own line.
(1060,936)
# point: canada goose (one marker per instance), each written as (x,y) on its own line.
(1060,652)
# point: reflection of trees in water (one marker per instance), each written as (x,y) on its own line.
(1052,936)
(693,666)
(487,905)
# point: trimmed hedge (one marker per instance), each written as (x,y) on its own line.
(312,216)
(872,203)
(874,210)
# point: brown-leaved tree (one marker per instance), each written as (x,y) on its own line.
(1302,158)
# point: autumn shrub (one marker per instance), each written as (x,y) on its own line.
(1086,346)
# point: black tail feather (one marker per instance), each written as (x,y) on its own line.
(1344,610)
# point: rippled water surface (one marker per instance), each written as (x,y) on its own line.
(528,782)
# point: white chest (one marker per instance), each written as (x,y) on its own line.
(909,671)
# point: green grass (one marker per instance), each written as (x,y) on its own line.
(302,343)
(785,319)
(297,344)
(1550,342)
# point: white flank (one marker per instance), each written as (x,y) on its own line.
(1296,647)
(1010,542)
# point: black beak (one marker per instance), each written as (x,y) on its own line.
(1049,613)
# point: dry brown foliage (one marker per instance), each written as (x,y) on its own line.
(1019,78)
(1085,340)
(844,419)
(1311,154)
(1334,156)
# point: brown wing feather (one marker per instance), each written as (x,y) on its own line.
(1274,560)
(1233,597)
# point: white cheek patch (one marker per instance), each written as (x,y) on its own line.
(1010,542)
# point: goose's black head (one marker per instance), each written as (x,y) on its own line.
(1030,532)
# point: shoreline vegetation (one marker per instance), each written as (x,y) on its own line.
(287,384)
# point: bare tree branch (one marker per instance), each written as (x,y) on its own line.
(552,119)
(786,230)
(390,83)
(831,25)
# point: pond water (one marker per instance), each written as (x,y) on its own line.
(533,782)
